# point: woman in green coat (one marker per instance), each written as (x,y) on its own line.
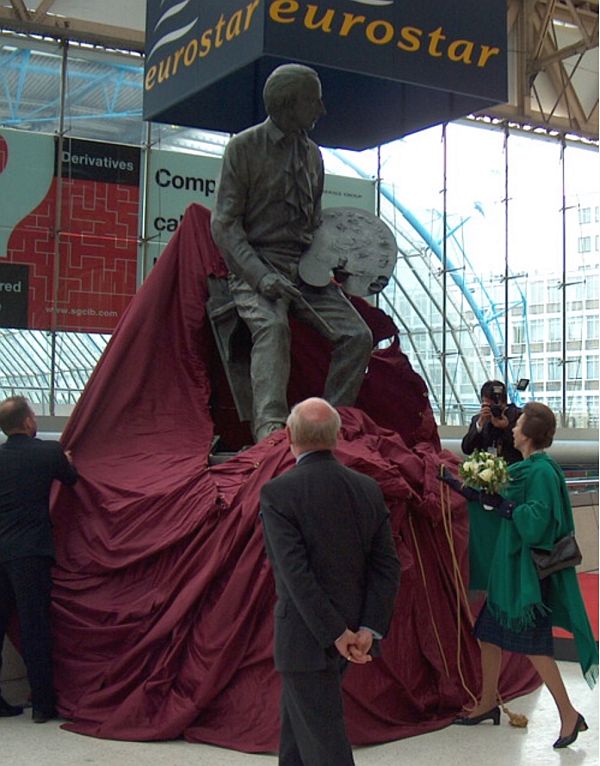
(521,609)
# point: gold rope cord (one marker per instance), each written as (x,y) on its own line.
(424,578)
(459,585)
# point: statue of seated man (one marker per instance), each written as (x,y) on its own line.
(268,205)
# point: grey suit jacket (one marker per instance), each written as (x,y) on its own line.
(329,540)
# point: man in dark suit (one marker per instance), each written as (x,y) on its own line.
(28,466)
(329,540)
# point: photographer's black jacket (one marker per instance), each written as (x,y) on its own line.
(490,436)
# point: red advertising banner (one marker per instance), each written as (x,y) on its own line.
(81,277)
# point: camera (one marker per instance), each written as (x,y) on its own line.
(497,396)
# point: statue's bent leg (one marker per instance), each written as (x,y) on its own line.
(351,337)
(270,356)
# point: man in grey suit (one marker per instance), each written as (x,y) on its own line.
(329,540)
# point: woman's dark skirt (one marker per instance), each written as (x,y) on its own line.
(536,639)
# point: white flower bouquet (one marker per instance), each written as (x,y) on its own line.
(485,472)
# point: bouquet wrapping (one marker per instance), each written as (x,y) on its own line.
(485,472)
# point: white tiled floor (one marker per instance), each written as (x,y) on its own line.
(23,743)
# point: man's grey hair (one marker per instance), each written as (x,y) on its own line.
(283,86)
(319,433)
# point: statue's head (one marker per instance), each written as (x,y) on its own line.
(292,97)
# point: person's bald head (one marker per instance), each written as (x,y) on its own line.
(313,425)
(17,417)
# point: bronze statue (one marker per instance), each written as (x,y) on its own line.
(268,206)
(354,246)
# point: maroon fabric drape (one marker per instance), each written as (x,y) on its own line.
(163,596)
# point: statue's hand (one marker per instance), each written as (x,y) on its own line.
(274,286)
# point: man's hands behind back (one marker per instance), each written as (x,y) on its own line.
(354,647)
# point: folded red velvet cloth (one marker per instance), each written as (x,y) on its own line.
(163,596)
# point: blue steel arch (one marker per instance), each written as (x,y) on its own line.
(435,247)
(125,102)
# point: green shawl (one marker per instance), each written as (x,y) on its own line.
(543,515)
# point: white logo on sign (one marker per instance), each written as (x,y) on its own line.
(174,34)
(374,2)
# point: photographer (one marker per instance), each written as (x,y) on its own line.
(492,428)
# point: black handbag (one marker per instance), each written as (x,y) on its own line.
(565,554)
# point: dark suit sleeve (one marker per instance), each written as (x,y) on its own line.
(509,451)
(473,439)
(383,578)
(287,551)
(64,471)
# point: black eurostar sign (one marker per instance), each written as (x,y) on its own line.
(388,67)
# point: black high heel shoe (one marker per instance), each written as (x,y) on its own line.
(580,725)
(493,715)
